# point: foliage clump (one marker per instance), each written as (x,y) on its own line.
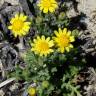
(53,73)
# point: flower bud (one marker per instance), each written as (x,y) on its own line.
(61,16)
(45,84)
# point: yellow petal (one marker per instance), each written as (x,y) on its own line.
(39,4)
(26,28)
(69,33)
(27,23)
(60,31)
(62,50)
(56,33)
(41,54)
(20,33)
(48,38)
(12,20)
(16,16)
(32,44)
(64,30)
(51,43)
(51,9)
(9,27)
(24,18)
(72,39)
(41,8)
(51,50)
(43,37)
(34,40)
(15,34)
(55,5)
(56,39)
(21,15)
(53,1)
(71,46)
(23,33)
(38,37)
(45,10)
(32,49)
(45,55)
(67,49)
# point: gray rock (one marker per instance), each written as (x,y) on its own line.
(71,11)
(13,2)
(89,8)
(1,2)
(2,93)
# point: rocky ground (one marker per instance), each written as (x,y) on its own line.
(83,13)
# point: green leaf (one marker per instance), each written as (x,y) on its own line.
(54,69)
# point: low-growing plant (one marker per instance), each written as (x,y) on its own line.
(53,61)
(54,74)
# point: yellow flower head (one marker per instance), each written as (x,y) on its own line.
(19,26)
(63,40)
(42,45)
(48,5)
(32,91)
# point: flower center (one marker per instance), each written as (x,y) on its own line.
(47,4)
(18,25)
(43,46)
(64,41)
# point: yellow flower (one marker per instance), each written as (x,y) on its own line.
(19,26)
(32,91)
(63,40)
(48,5)
(42,46)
